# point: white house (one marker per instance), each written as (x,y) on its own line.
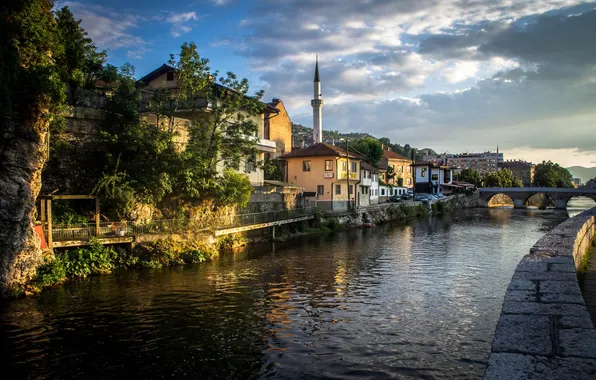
(431,177)
(368,187)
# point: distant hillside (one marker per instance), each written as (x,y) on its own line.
(302,136)
(585,174)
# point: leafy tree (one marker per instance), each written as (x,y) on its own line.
(273,170)
(385,141)
(549,174)
(80,63)
(471,176)
(31,96)
(224,135)
(370,148)
(492,179)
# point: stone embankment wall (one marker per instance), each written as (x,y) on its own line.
(545,330)
(386,212)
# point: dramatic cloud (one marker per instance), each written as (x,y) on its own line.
(450,74)
(108,29)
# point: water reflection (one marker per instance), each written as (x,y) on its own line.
(412,301)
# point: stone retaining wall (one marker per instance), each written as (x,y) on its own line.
(545,330)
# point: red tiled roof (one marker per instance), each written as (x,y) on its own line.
(392,155)
(319,150)
(365,165)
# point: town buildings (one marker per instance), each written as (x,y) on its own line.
(274,136)
(482,162)
(577,182)
(330,172)
(398,167)
(521,169)
(432,178)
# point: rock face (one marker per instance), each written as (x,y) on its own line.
(23,150)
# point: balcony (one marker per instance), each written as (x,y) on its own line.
(265,145)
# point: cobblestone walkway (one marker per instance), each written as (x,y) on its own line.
(589,290)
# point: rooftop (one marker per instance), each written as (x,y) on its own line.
(320,150)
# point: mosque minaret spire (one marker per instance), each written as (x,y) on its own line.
(317,108)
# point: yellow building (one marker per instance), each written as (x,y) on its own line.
(278,127)
(402,167)
(324,170)
(268,122)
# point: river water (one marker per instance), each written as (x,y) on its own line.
(397,301)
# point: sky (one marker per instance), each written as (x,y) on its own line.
(451,75)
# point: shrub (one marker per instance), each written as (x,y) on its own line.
(51,272)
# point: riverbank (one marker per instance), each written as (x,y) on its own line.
(385,295)
(96,259)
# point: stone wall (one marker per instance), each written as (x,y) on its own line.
(545,330)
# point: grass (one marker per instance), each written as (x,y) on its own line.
(585,263)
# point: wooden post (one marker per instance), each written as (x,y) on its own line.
(97,217)
(42,210)
(49,209)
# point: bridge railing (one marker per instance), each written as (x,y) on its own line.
(64,232)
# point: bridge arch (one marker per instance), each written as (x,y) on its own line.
(499,200)
(580,202)
(540,200)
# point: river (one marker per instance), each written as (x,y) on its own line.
(419,300)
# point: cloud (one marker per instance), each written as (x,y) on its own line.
(181,22)
(108,29)
(137,53)
(450,74)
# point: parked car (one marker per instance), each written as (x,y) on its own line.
(406,196)
(394,198)
(422,197)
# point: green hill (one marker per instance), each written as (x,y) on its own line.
(302,136)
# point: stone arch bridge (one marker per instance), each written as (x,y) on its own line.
(520,195)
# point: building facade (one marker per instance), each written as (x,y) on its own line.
(327,171)
(482,162)
(431,177)
(521,169)
(401,167)
(199,109)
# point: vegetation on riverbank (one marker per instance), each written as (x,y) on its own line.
(585,263)
(98,259)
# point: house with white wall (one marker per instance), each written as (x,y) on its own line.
(431,177)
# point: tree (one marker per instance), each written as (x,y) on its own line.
(223,130)
(492,179)
(370,148)
(31,95)
(80,63)
(471,176)
(549,174)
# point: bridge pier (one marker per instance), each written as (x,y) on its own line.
(519,203)
(560,204)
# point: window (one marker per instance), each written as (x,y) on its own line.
(434,177)
(337,189)
(409,169)
(306,166)
(249,167)
(351,189)
(343,166)
(328,165)
(409,181)
(170,76)
(321,189)
(400,169)
(382,192)
(423,172)
(354,167)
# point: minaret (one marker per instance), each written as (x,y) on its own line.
(317,111)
